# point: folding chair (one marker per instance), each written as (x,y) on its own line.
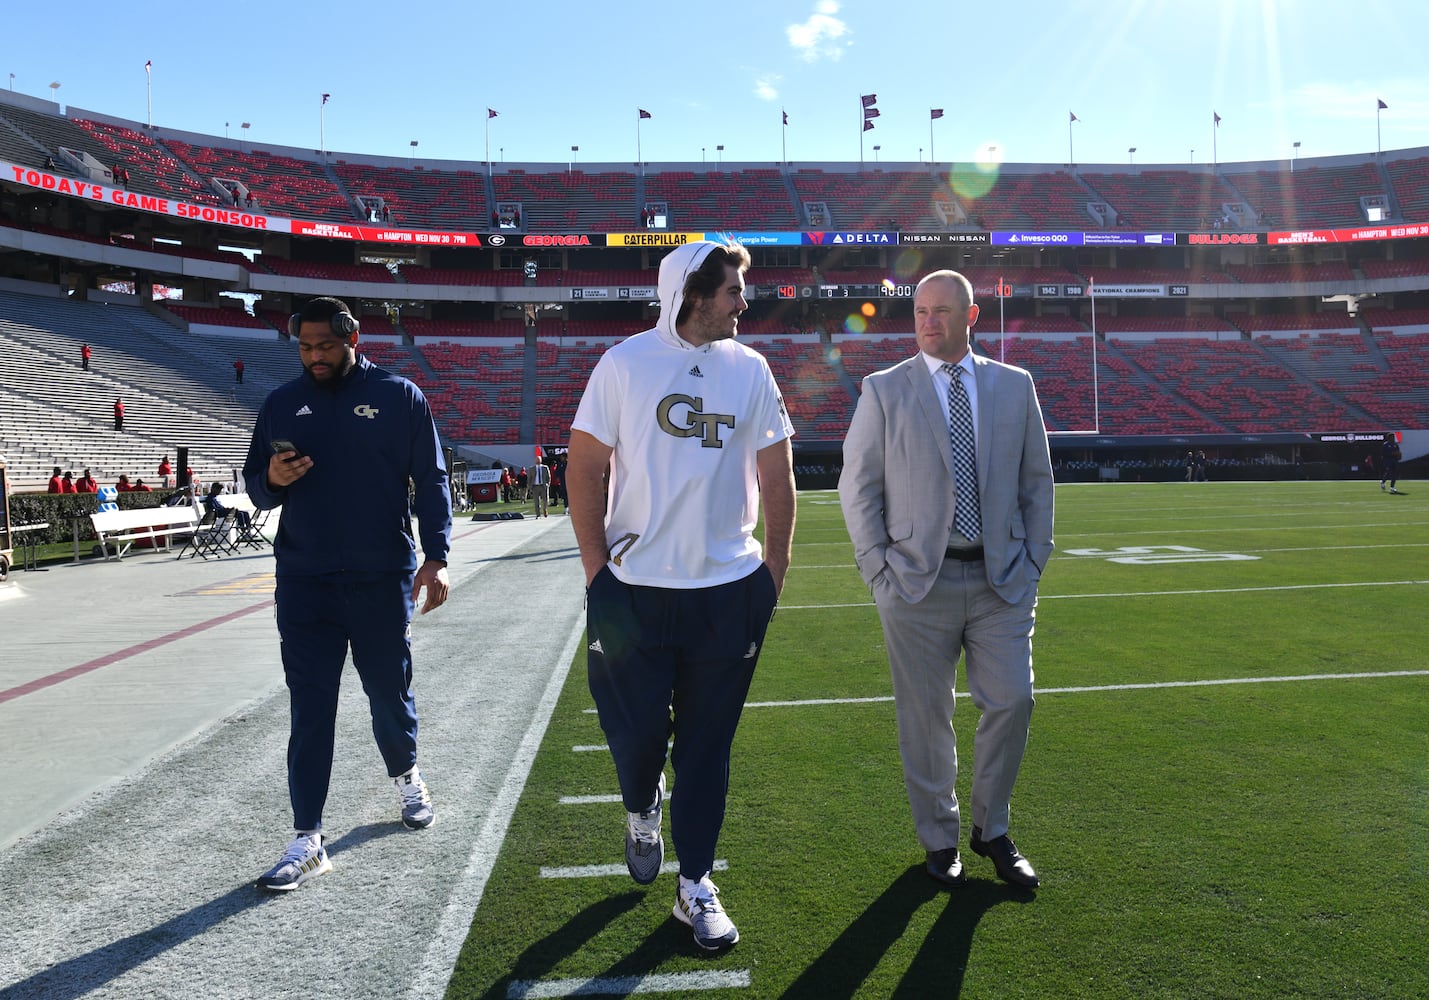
(212,539)
(252,536)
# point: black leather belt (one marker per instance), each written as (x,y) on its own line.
(965,555)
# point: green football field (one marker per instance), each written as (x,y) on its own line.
(1226,791)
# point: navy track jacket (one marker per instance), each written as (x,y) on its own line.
(367,434)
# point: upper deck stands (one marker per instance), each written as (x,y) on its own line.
(1308,196)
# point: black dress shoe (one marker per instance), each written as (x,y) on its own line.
(1011,866)
(946,866)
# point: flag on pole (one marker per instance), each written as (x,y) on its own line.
(867,125)
(1215,119)
(643,113)
(490,113)
(1382,105)
(871,113)
(869,100)
(148,67)
(935,114)
(325,97)
(1073,117)
(786,117)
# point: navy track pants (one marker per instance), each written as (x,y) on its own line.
(319,617)
(665,662)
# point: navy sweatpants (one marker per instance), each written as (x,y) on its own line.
(319,617)
(667,662)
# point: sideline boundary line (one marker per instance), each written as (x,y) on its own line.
(440,959)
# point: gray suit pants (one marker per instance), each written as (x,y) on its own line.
(924,641)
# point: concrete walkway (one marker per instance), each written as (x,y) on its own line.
(145,728)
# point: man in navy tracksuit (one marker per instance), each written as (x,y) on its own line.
(336,448)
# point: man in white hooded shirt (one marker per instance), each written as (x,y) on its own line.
(679,593)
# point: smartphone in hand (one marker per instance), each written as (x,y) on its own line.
(282,445)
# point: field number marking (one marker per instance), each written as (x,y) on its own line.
(1157,555)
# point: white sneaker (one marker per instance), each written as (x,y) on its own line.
(644,847)
(304,858)
(417,812)
(697,905)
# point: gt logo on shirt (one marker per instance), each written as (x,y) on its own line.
(704,426)
(366,410)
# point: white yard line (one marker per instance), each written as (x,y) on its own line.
(607,871)
(1158,593)
(804,702)
(665,982)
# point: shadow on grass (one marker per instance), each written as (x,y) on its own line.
(942,959)
(543,955)
(74,977)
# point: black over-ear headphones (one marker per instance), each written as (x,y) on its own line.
(344,324)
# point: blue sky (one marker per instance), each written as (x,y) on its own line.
(1142,73)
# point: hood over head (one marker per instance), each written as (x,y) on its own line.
(677,266)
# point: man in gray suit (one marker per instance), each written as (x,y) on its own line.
(947,493)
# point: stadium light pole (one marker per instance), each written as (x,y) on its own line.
(412,156)
(1131,154)
(1294,154)
(719,151)
(875,153)
(245,127)
(55,91)
(572,165)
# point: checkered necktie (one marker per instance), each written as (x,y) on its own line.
(966,518)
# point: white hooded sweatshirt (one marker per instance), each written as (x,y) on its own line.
(686,424)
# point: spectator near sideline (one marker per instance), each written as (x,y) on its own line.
(67,483)
(86,484)
(541,487)
(213,504)
(165,471)
(1389,456)
(347,572)
(947,493)
(57,483)
(122,485)
(139,487)
(678,591)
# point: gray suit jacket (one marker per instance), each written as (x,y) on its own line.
(897,490)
